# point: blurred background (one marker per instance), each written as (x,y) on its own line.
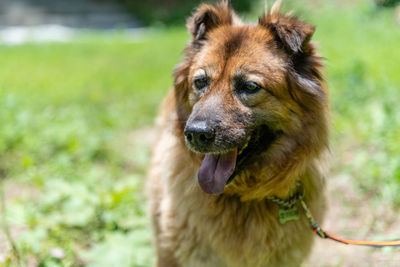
(80,86)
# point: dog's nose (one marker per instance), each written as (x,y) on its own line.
(199,133)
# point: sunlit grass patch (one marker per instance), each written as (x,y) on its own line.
(67,111)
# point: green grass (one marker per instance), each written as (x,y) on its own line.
(364,81)
(72,174)
(67,111)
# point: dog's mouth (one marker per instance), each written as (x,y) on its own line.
(218,170)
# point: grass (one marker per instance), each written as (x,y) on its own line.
(73,172)
(66,113)
(364,80)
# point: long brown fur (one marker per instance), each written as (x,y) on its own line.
(240,227)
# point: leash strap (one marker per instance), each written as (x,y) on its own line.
(298,197)
(323,234)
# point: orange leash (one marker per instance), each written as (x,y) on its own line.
(323,234)
(289,211)
(393,243)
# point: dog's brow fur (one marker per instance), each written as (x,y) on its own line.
(235,41)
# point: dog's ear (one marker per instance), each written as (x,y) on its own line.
(291,32)
(294,36)
(208,17)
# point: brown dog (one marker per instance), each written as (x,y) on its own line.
(246,120)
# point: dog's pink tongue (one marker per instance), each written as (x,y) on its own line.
(215,171)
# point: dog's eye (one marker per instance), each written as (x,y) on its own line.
(248,87)
(251,86)
(201,82)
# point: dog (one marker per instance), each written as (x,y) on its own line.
(247,120)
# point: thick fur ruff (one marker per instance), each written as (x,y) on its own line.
(240,227)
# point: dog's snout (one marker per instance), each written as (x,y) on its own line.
(199,133)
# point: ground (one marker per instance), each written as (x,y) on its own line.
(350,215)
(353,216)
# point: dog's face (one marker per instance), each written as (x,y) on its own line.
(233,82)
(239,81)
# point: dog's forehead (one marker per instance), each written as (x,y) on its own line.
(233,48)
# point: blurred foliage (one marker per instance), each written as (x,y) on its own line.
(173,11)
(72,180)
(73,166)
(387,2)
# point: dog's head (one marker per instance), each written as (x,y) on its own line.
(249,95)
